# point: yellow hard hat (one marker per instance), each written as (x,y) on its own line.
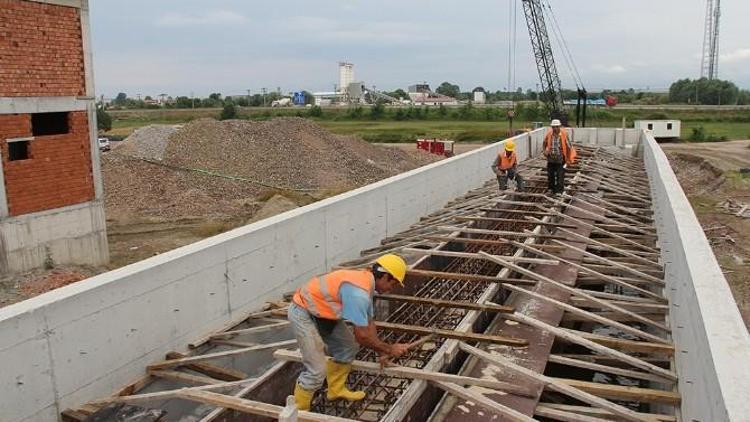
(394,265)
(510,146)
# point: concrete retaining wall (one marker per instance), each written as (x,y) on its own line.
(83,341)
(712,343)
(72,235)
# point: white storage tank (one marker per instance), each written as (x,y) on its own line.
(660,128)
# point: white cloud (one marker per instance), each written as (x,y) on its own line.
(215,17)
(612,69)
(337,31)
(735,56)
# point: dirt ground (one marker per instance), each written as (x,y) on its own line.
(710,175)
(153,208)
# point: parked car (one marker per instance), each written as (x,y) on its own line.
(104,144)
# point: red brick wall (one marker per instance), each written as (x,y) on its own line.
(59,172)
(41,50)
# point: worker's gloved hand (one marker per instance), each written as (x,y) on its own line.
(398,349)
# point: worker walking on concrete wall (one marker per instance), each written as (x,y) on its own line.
(560,154)
(317,315)
(506,167)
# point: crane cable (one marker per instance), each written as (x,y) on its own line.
(567,56)
(512,41)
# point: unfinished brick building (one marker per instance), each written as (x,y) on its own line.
(51,193)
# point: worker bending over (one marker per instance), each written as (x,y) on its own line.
(506,167)
(317,315)
(560,154)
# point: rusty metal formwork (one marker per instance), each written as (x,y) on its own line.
(581,272)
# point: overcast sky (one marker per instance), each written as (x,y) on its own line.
(177,47)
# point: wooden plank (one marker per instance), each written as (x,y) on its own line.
(627,345)
(165,395)
(606,246)
(421,374)
(596,299)
(512,211)
(629,305)
(621,392)
(571,290)
(613,316)
(444,303)
(213,371)
(252,330)
(634,222)
(599,217)
(469,277)
(424,331)
(200,358)
(484,242)
(515,221)
(218,412)
(553,384)
(607,233)
(184,377)
(562,415)
(466,255)
(134,386)
(595,346)
(590,316)
(251,407)
(233,343)
(562,360)
(584,410)
(504,233)
(489,404)
(622,267)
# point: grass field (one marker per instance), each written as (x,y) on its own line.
(717,125)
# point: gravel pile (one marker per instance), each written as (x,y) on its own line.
(148,142)
(291,153)
(282,154)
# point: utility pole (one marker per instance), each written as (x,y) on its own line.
(248,97)
(192,99)
(264,97)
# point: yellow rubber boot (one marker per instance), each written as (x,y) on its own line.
(303,397)
(336,375)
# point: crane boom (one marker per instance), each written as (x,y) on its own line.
(545,61)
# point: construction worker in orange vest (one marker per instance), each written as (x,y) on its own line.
(560,154)
(506,167)
(317,315)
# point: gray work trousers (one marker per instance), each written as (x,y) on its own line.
(340,344)
(512,174)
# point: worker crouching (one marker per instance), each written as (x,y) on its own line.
(317,315)
(506,167)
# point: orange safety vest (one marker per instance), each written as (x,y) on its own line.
(568,152)
(505,163)
(320,296)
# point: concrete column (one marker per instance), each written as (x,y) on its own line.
(88,66)
(88,56)
(3,196)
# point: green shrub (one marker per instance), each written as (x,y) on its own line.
(315,111)
(698,134)
(229,112)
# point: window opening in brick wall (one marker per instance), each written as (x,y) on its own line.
(49,124)
(18,150)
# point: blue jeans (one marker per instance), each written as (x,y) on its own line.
(340,344)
